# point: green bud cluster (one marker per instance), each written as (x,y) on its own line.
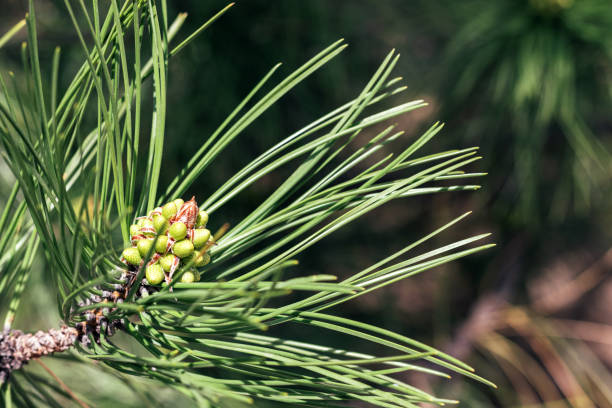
(170,238)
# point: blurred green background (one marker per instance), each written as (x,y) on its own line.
(529,81)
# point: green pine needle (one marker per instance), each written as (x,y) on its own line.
(80,186)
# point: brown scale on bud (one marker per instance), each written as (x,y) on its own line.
(17,348)
(187,214)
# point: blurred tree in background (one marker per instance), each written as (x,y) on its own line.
(529,81)
(537,77)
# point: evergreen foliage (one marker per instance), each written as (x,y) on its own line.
(78,190)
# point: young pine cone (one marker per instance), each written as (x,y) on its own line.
(172,238)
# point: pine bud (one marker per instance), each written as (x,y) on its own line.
(160,223)
(134,229)
(202,219)
(132,255)
(161,245)
(200,237)
(199,260)
(169,210)
(188,277)
(155,274)
(147,227)
(179,203)
(178,231)
(144,247)
(183,248)
(166,262)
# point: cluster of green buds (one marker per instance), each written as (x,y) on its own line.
(172,238)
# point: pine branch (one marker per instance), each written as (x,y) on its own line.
(17,348)
(196,300)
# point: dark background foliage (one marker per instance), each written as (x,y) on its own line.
(528,81)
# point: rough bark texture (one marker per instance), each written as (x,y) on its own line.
(17,348)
